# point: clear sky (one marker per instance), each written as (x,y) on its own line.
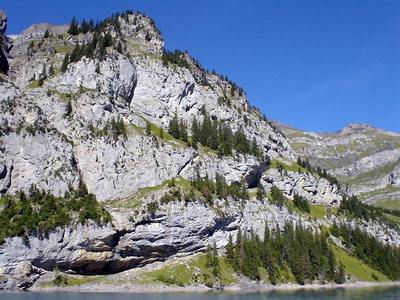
(316,65)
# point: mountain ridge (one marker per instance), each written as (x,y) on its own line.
(356,151)
(105,118)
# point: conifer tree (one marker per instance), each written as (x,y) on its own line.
(183,131)
(64,65)
(227,140)
(195,133)
(46,34)
(119,47)
(73,28)
(173,128)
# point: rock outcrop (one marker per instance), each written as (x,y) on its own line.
(103,121)
(3,42)
(365,159)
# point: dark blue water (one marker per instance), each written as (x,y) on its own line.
(381,293)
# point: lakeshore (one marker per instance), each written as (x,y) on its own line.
(231,289)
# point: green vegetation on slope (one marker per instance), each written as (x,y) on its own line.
(377,255)
(356,268)
(38,212)
(297,251)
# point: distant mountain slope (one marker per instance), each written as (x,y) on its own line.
(365,159)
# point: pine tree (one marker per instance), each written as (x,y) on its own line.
(341,275)
(119,47)
(148,128)
(46,34)
(213,135)
(195,133)
(227,143)
(254,148)
(277,196)
(183,131)
(84,27)
(230,250)
(173,128)
(74,55)
(73,28)
(64,65)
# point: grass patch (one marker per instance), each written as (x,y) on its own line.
(65,280)
(384,197)
(356,268)
(318,210)
(33,84)
(294,167)
(299,145)
(191,271)
(135,201)
(64,97)
(166,137)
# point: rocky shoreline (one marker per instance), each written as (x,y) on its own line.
(234,289)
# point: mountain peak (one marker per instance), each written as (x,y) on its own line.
(354,128)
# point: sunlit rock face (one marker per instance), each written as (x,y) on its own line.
(60,128)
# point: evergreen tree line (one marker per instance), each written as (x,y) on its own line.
(212,262)
(208,189)
(301,203)
(215,135)
(369,249)
(296,250)
(234,86)
(38,212)
(219,189)
(321,172)
(114,129)
(279,199)
(75,28)
(355,208)
(100,40)
(176,57)
(94,49)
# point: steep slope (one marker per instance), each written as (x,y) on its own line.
(175,154)
(365,159)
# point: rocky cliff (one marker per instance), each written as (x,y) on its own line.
(4,44)
(365,159)
(102,119)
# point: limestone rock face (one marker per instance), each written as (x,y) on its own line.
(91,123)
(315,190)
(366,159)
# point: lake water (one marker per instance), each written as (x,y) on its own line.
(381,293)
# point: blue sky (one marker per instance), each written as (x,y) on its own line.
(315,65)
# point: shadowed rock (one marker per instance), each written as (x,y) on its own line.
(3,54)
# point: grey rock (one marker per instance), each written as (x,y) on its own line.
(365,159)
(61,133)
(3,22)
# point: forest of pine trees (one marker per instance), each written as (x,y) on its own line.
(213,134)
(38,212)
(96,48)
(369,249)
(321,172)
(298,250)
(355,208)
(208,189)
